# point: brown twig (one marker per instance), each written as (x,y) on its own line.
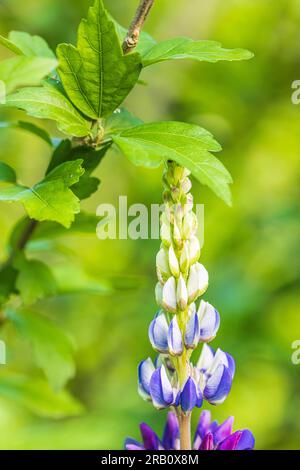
(25,236)
(133,34)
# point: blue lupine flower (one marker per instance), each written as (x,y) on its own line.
(209,436)
(215,372)
(145,372)
(190,396)
(209,321)
(161,390)
(158,333)
(192,332)
(175,338)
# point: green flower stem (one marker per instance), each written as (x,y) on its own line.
(185,431)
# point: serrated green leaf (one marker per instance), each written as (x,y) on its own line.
(24,71)
(186,48)
(53,349)
(189,145)
(87,186)
(22,43)
(121,119)
(91,158)
(29,127)
(10,45)
(30,45)
(37,396)
(35,280)
(48,102)
(51,199)
(7,173)
(96,75)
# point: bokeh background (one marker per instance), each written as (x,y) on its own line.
(251,250)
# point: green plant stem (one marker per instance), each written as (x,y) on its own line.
(133,34)
(185,430)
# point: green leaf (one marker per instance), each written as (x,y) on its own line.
(121,119)
(25,71)
(10,45)
(51,199)
(38,397)
(35,280)
(91,158)
(186,48)
(29,127)
(53,349)
(48,102)
(188,145)
(7,174)
(24,44)
(96,75)
(87,186)
(31,45)
(8,276)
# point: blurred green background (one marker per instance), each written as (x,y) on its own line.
(251,250)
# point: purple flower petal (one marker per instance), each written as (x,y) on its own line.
(246,441)
(132,444)
(145,371)
(175,338)
(218,385)
(150,439)
(231,364)
(202,428)
(224,430)
(160,389)
(207,443)
(240,440)
(191,337)
(189,396)
(171,433)
(158,333)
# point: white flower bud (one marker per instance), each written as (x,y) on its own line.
(162,265)
(186,185)
(176,234)
(197,281)
(178,173)
(189,203)
(181,293)
(173,262)
(185,258)
(189,226)
(169,295)
(165,234)
(158,293)
(194,249)
(186,172)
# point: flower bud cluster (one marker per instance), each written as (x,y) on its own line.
(182,321)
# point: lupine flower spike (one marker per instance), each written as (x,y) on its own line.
(183,322)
